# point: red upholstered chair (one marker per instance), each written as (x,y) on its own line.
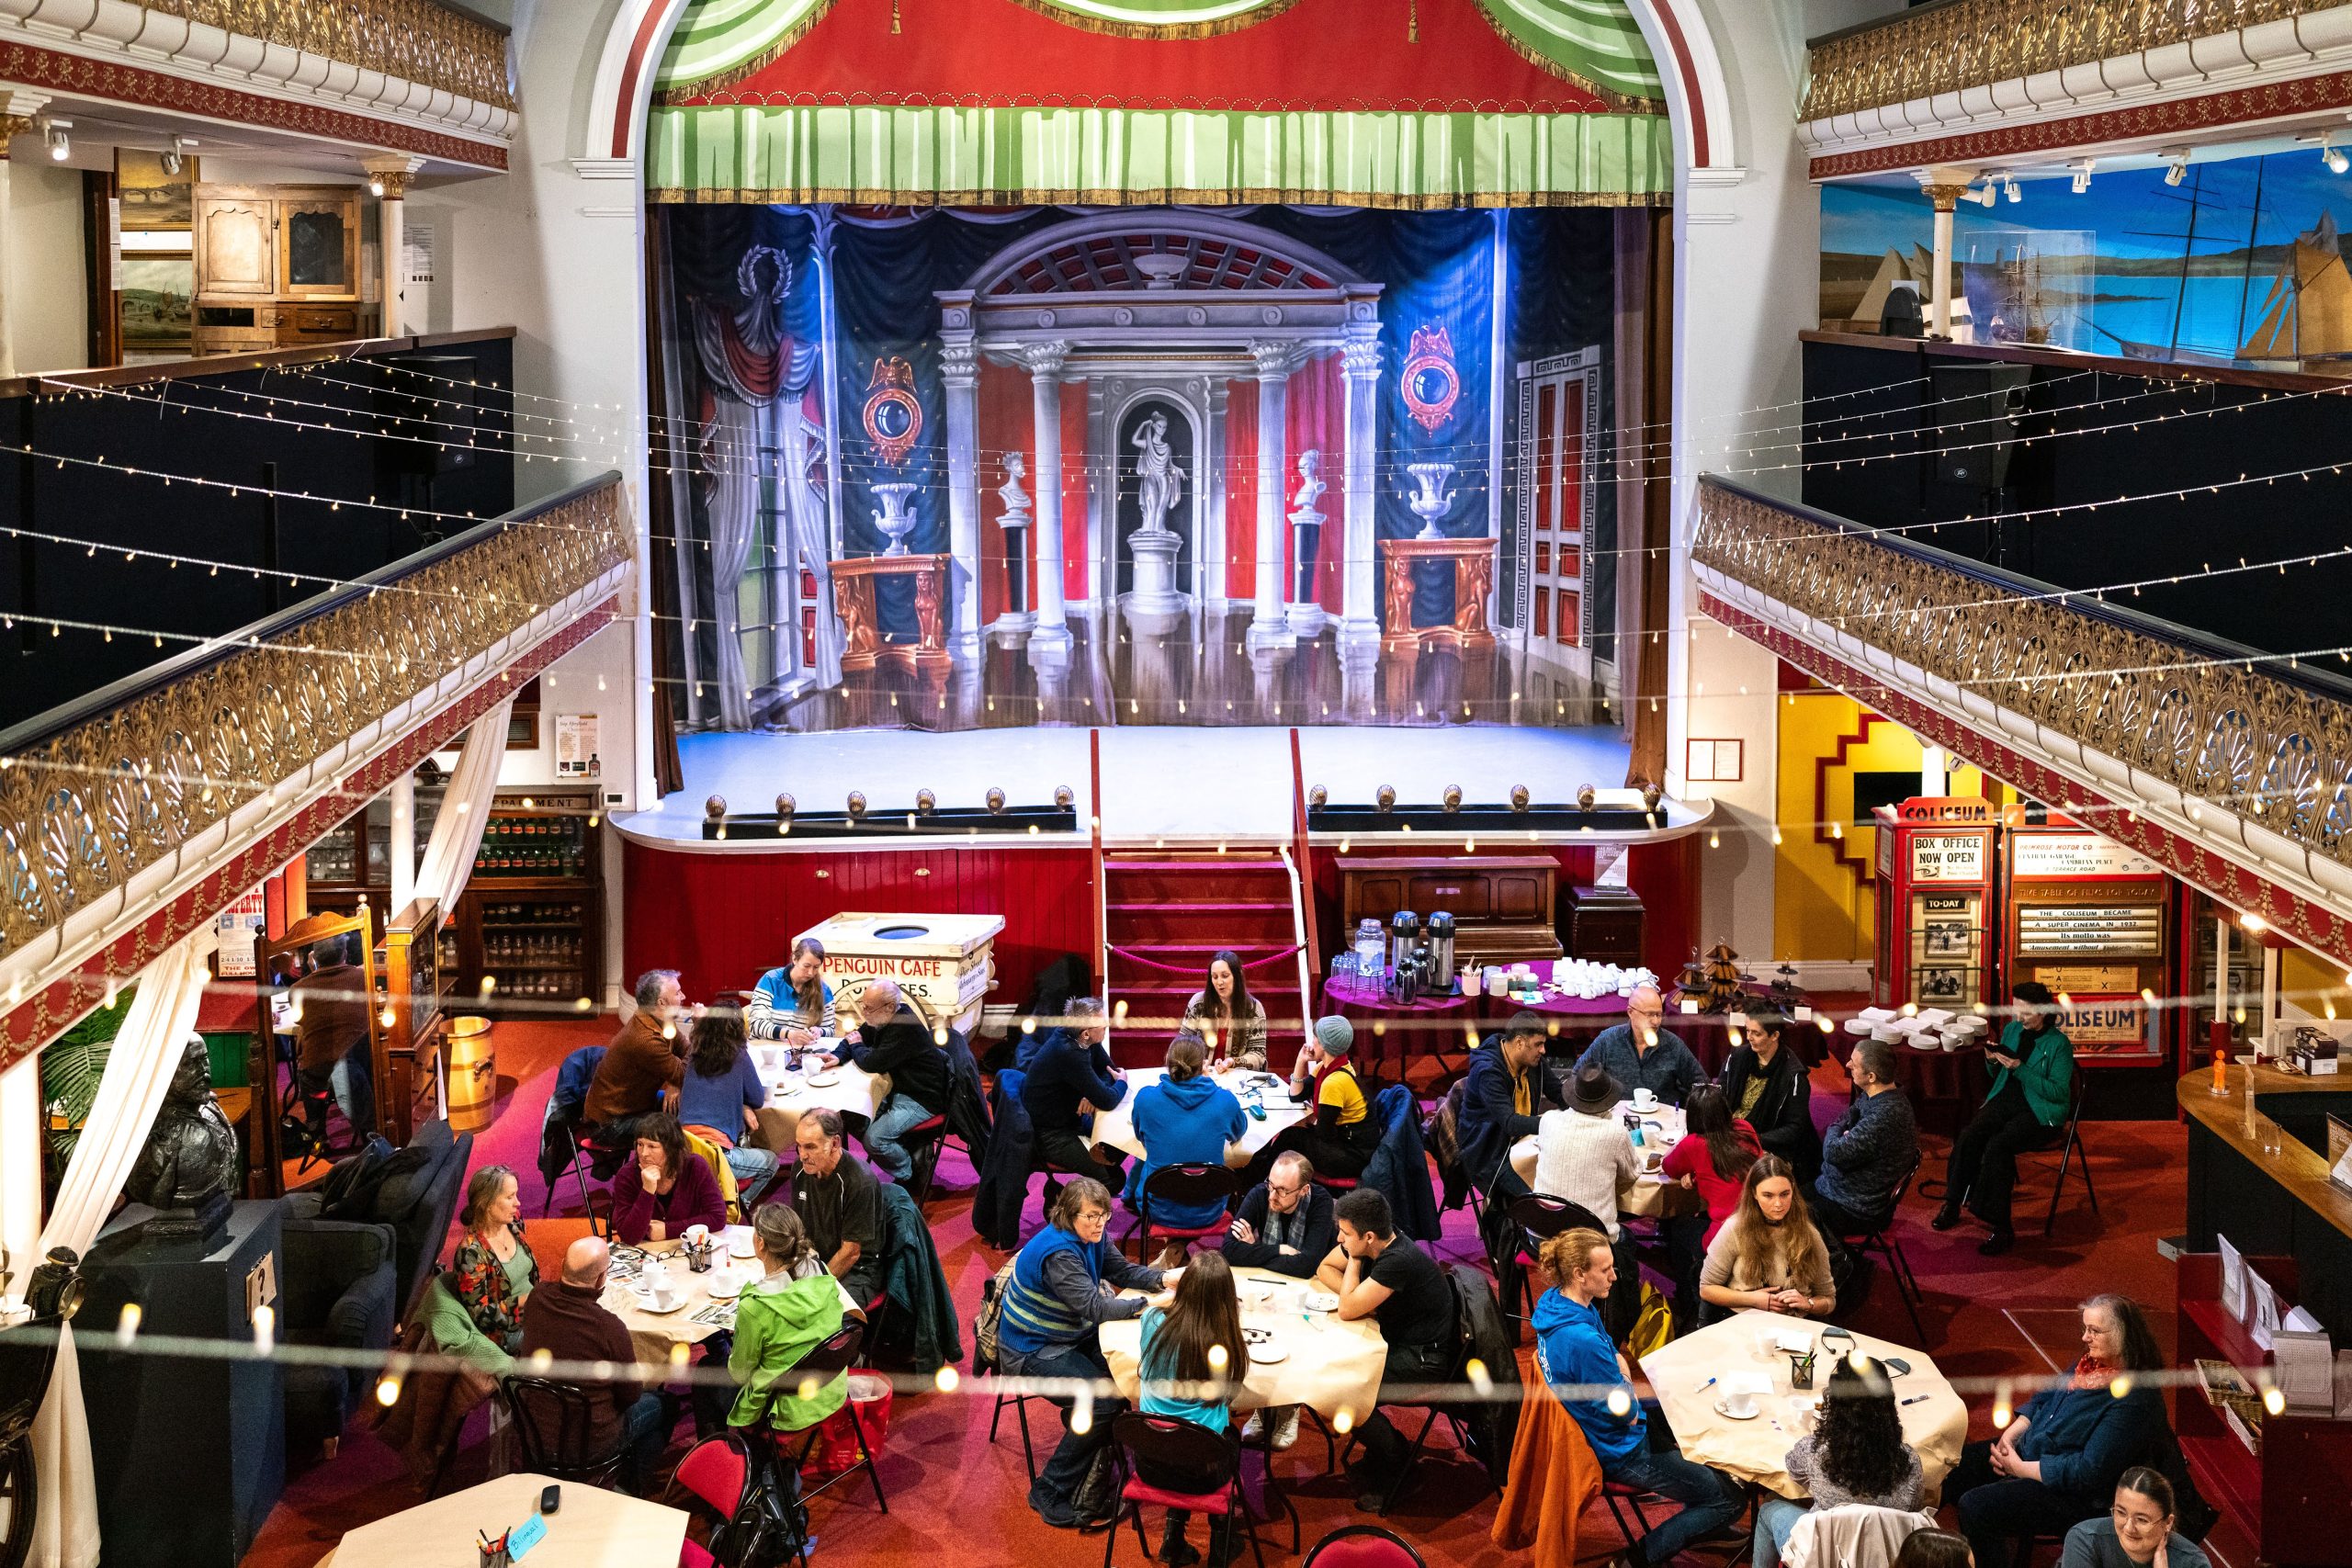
(1615,1492)
(1363,1546)
(1188,1185)
(793,1446)
(718,1475)
(923,1142)
(1180,1444)
(693,1556)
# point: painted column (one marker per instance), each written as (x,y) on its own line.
(1209,549)
(1944,189)
(388,180)
(1935,777)
(1044,362)
(1360,371)
(403,837)
(959,371)
(16,112)
(1269,627)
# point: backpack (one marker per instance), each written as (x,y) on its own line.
(1653,1325)
(984,1322)
(349,1190)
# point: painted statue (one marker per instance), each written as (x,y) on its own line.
(1159,484)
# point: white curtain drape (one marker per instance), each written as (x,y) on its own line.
(811,545)
(139,1069)
(456,838)
(733,434)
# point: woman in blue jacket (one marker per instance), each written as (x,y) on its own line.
(2057,1463)
(1185,1119)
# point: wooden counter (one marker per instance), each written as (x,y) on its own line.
(2257,1175)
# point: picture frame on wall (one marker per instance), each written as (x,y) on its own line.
(154,199)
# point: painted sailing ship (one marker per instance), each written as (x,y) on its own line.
(2308,316)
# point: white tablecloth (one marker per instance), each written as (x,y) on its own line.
(1116,1126)
(594,1528)
(854,1090)
(1756,1450)
(1329,1365)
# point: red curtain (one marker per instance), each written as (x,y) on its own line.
(1074,488)
(1241,489)
(1316,417)
(1006,424)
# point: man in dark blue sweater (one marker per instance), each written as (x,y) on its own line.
(1867,1150)
(1071,1072)
(1642,1053)
(1504,1093)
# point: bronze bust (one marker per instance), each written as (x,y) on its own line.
(191,1160)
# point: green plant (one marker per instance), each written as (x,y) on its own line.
(70,1070)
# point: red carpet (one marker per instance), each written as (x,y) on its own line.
(955,1497)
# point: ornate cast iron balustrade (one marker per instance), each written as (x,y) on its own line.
(413,40)
(1969,43)
(2276,748)
(92,795)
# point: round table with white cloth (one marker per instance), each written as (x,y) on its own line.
(706,1300)
(1747,1346)
(1116,1126)
(1328,1364)
(1654,1193)
(847,1088)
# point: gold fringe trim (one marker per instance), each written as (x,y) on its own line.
(1250,195)
(1218,29)
(734,75)
(1623,103)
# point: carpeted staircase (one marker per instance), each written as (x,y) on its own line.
(1168,911)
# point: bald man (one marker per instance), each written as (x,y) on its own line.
(1642,1053)
(565,1318)
(891,1038)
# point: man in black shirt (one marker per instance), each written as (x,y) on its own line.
(1391,1281)
(891,1038)
(839,1205)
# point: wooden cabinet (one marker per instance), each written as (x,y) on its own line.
(1501,905)
(278,266)
(1604,925)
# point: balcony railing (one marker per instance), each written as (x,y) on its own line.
(412,39)
(2268,743)
(1971,43)
(109,787)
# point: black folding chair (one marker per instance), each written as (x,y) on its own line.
(1188,1185)
(1364,1546)
(792,1445)
(2066,1157)
(1183,1445)
(1535,1219)
(552,1422)
(1884,1239)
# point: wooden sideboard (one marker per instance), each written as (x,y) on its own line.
(1502,904)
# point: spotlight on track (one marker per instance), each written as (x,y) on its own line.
(2009,188)
(2082,168)
(2176,164)
(61,142)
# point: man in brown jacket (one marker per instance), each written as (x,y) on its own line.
(565,1318)
(330,1040)
(646,1056)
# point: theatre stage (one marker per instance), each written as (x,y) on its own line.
(1158,783)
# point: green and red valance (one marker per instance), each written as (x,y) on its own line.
(1377,103)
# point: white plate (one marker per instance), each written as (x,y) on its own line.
(1267,1355)
(825,1080)
(1724,1411)
(647,1304)
(1255,1291)
(1319,1300)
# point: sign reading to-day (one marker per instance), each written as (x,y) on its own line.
(2075,855)
(1947,857)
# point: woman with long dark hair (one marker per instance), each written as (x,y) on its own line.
(2057,1464)
(1224,1014)
(1712,1160)
(722,1093)
(1193,1361)
(1769,1256)
(666,1188)
(1856,1455)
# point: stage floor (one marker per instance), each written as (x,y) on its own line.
(1159,782)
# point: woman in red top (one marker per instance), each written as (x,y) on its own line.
(1711,1159)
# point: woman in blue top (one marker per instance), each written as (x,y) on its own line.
(794,1004)
(1185,1119)
(721,1092)
(1066,1282)
(1193,1361)
(2057,1463)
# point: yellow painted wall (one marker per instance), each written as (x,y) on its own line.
(1821,910)
(2313,983)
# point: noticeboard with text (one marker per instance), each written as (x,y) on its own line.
(2091,919)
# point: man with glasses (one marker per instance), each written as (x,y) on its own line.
(1286,1225)
(1642,1053)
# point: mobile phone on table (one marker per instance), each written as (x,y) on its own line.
(551,1499)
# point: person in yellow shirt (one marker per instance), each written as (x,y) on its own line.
(1340,1137)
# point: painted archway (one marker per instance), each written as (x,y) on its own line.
(1690,69)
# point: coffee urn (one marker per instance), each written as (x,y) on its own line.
(1403,936)
(1440,952)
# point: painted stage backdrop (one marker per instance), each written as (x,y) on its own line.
(1081,465)
(2238,262)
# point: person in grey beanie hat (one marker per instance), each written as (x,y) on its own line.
(1342,1135)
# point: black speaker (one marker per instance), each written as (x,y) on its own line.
(1977,409)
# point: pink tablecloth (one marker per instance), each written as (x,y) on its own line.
(1443,1026)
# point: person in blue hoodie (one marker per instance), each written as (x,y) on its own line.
(2058,1462)
(1186,1118)
(1635,1447)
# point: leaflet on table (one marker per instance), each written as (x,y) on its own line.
(2262,1321)
(2304,1365)
(2233,1280)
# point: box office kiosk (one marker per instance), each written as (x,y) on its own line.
(1936,885)
(2090,919)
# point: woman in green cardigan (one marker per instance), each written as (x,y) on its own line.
(2033,1089)
(778,1320)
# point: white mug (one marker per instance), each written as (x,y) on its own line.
(1739,1402)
